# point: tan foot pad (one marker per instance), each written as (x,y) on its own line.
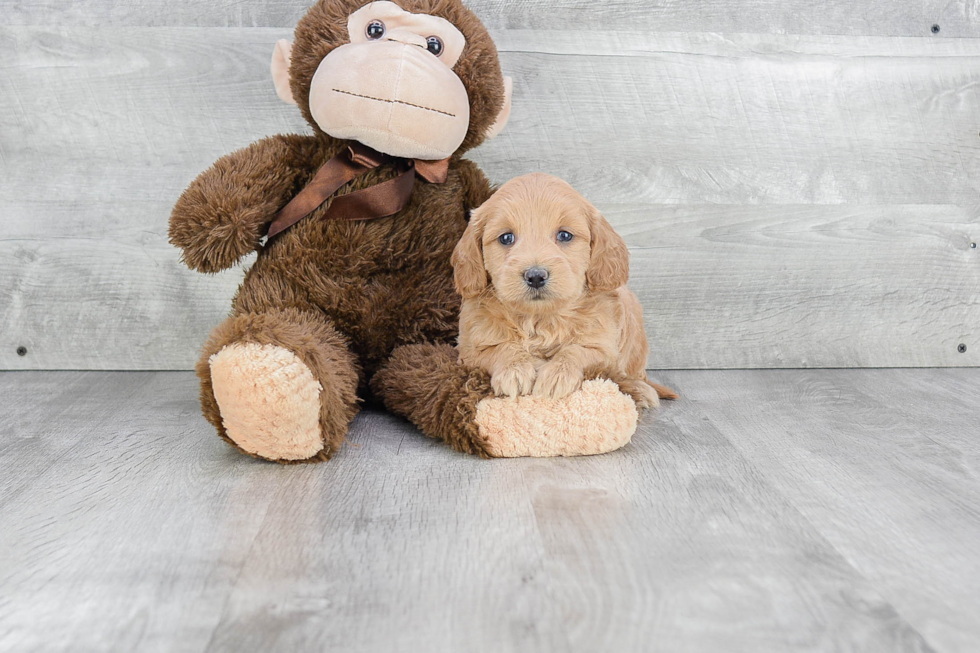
(269,401)
(596,419)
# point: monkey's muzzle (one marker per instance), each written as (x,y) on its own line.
(394,97)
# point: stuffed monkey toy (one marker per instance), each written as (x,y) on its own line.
(351,295)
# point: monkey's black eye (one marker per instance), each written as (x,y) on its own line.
(375,30)
(434,45)
(564,236)
(506,239)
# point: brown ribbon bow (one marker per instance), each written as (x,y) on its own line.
(378,201)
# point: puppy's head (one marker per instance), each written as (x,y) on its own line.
(538,243)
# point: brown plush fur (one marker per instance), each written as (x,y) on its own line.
(340,295)
(428,385)
(583,320)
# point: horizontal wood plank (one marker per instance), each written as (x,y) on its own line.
(90,116)
(722,287)
(744,119)
(956,18)
(103,305)
(805,286)
(791,200)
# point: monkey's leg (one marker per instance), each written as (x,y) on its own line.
(448,401)
(426,385)
(279,385)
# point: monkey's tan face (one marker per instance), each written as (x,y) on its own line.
(393,87)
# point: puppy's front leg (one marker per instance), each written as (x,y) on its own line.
(512,370)
(563,374)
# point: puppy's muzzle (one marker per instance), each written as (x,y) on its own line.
(536,277)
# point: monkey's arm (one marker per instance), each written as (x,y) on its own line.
(224,213)
(476,187)
(429,386)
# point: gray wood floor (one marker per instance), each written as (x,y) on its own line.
(817,510)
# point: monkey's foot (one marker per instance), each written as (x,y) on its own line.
(269,401)
(596,419)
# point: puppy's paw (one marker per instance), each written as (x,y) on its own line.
(557,380)
(514,381)
(642,392)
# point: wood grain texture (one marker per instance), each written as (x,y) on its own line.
(765,511)
(885,465)
(722,287)
(956,18)
(167,538)
(791,200)
(744,119)
(97,304)
(805,285)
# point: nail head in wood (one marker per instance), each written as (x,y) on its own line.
(961,348)
(22,351)
(935,29)
(973,245)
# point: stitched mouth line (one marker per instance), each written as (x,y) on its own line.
(378,99)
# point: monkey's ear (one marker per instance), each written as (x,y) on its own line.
(504,114)
(280,70)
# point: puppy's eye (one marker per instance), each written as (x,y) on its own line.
(564,236)
(506,239)
(434,45)
(375,30)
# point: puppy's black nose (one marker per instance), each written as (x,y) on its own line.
(536,277)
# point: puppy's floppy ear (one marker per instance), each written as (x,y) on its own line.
(469,273)
(609,263)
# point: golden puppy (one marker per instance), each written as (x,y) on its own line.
(545,304)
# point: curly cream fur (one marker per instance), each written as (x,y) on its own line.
(583,322)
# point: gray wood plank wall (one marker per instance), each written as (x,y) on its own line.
(799,182)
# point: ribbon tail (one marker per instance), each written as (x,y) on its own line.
(434,172)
